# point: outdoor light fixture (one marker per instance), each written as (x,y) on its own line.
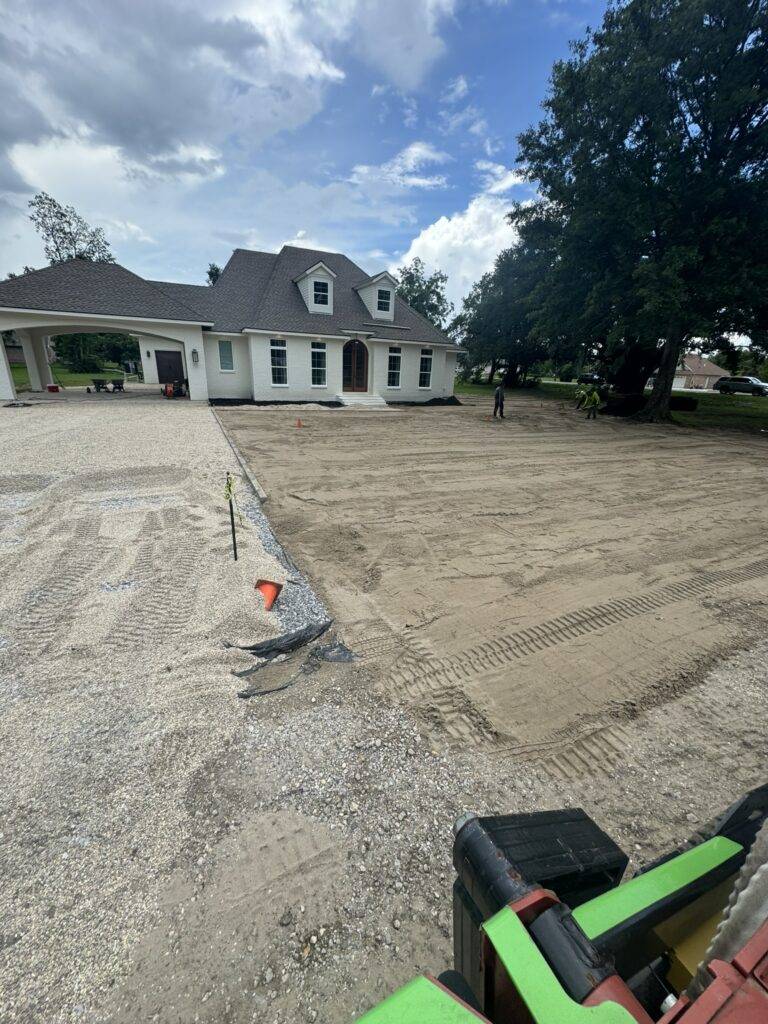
(194,355)
(149,356)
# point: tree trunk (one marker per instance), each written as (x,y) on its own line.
(657,407)
(492,372)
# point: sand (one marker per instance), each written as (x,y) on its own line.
(527,586)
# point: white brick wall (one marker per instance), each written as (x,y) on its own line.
(253,371)
(228,384)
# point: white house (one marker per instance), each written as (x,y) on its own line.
(298,325)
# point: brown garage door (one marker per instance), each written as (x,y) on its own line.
(169,366)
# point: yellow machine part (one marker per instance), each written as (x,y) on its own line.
(687,934)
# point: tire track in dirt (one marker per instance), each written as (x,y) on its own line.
(436,673)
(51,606)
(161,605)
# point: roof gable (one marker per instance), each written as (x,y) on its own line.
(320,265)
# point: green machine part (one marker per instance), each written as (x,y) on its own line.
(422,1001)
(621,904)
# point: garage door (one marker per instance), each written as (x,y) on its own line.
(169,366)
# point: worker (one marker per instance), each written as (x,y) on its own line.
(498,400)
(591,402)
(580,395)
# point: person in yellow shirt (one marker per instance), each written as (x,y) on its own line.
(591,402)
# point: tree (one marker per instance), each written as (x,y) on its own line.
(86,353)
(653,160)
(425,292)
(495,325)
(11,275)
(214,273)
(66,235)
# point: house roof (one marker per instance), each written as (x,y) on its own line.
(695,364)
(198,297)
(84,286)
(282,309)
(256,290)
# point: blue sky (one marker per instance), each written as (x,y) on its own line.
(384,130)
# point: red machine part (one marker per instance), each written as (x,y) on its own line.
(737,995)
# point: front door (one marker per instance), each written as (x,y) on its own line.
(169,366)
(355,370)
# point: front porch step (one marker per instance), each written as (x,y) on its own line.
(362,401)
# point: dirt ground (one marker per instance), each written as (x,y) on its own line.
(529,635)
(524,587)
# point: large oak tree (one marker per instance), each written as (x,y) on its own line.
(652,159)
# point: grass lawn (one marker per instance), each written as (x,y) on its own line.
(732,412)
(61,375)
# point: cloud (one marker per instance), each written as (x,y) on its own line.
(456,90)
(496,178)
(465,244)
(403,171)
(410,112)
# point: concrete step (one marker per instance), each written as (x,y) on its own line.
(361,400)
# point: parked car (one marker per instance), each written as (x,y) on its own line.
(590,378)
(741,385)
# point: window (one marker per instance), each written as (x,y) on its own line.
(383,300)
(320,293)
(318,364)
(393,367)
(226,358)
(425,368)
(279,360)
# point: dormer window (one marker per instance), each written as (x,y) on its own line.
(316,287)
(378,295)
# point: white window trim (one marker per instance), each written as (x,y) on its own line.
(322,346)
(388,300)
(231,349)
(279,344)
(395,387)
(315,307)
(431,356)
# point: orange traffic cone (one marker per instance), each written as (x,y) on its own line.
(299,423)
(270,591)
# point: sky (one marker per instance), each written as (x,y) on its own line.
(384,129)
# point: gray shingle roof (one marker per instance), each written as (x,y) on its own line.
(198,297)
(283,309)
(81,286)
(241,285)
(256,290)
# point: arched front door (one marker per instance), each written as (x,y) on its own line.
(355,374)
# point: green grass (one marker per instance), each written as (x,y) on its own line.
(730,412)
(61,375)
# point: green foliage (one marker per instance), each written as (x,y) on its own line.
(652,168)
(425,292)
(213,273)
(85,353)
(494,325)
(66,235)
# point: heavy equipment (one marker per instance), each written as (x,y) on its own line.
(683,941)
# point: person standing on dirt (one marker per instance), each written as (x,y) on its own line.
(498,400)
(591,403)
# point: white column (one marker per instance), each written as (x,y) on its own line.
(35,383)
(253,359)
(41,358)
(148,363)
(7,387)
(198,381)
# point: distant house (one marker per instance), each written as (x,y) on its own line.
(694,371)
(298,325)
